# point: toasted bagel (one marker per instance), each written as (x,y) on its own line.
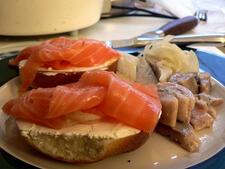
(91,140)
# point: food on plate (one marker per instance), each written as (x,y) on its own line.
(145,74)
(188,105)
(183,113)
(205,83)
(167,59)
(196,82)
(210,100)
(115,103)
(183,134)
(188,80)
(204,113)
(127,67)
(177,103)
(135,69)
(92,139)
(115,100)
(184,91)
(60,57)
(101,90)
(200,118)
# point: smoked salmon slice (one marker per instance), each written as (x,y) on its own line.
(97,91)
(60,54)
(131,103)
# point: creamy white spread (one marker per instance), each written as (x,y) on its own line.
(92,127)
(52,72)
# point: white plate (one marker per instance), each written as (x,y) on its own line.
(157,152)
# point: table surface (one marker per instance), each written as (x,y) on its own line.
(122,28)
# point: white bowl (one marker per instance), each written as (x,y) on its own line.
(39,17)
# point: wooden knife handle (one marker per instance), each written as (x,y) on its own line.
(178,26)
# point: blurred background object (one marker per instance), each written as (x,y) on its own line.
(38,17)
(120,8)
(210,13)
(115,24)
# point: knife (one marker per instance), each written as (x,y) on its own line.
(175,27)
(217,39)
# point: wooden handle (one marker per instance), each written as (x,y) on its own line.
(178,26)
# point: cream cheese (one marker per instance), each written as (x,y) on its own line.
(52,72)
(92,125)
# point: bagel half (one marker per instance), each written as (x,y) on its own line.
(91,140)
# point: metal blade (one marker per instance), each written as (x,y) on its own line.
(201,39)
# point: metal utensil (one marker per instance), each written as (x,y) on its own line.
(202,39)
(175,27)
(201,15)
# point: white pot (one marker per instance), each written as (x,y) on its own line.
(39,17)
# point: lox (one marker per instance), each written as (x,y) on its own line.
(63,55)
(131,103)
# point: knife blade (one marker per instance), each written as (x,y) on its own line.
(217,39)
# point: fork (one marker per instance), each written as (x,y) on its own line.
(201,15)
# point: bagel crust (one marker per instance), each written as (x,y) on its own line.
(82,148)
